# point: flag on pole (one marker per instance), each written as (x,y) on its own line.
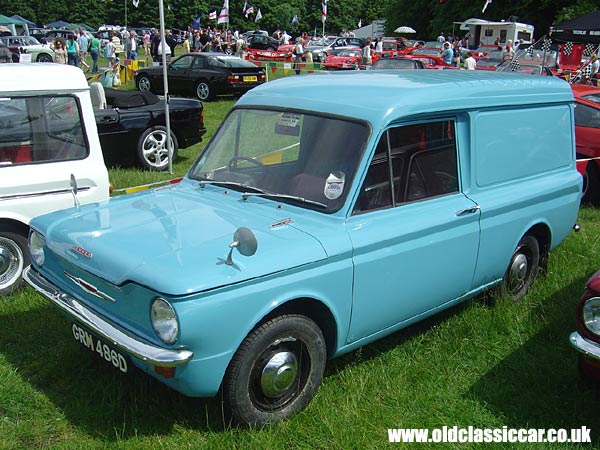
(258,16)
(223,16)
(295,19)
(485,5)
(249,11)
(212,15)
(359,23)
(196,22)
(245,6)
(324,12)
(136,3)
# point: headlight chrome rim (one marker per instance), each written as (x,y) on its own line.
(590,315)
(164,321)
(36,245)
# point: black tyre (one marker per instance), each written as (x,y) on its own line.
(152,151)
(591,184)
(276,371)
(144,83)
(44,57)
(204,91)
(522,269)
(14,257)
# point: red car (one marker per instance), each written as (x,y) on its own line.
(431,62)
(587,337)
(253,55)
(587,137)
(347,58)
(490,61)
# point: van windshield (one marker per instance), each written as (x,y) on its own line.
(283,154)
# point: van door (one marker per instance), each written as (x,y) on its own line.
(415,235)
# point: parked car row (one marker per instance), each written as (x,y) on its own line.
(28,44)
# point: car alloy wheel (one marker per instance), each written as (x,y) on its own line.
(143,83)
(152,148)
(522,269)
(13,259)
(203,91)
(276,371)
(44,57)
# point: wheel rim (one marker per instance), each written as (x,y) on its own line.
(44,58)
(154,149)
(11,262)
(203,91)
(519,269)
(144,84)
(280,374)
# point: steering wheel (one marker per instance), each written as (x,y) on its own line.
(232,162)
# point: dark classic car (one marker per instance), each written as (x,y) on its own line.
(203,75)
(262,42)
(397,63)
(131,126)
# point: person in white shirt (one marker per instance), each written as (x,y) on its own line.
(285,38)
(379,46)
(470,61)
(298,51)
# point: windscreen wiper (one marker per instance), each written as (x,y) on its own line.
(232,184)
(245,196)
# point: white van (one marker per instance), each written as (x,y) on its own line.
(47,133)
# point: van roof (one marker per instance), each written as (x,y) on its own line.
(41,77)
(381,96)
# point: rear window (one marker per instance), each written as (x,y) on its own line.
(229,61)
(41,129)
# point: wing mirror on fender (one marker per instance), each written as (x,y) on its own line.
(245,242)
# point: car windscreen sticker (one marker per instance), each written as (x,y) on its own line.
(334,185)
(289,120)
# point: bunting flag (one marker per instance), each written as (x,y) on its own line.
(249,11)
(136,3)
(212,15)
(258,16)
(359,23)
(245,6)
(324,12)
(485,5)
(295,19)
(196,22)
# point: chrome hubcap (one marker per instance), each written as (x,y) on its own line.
(279,374)
(518,270)
(11,262)
(203,91)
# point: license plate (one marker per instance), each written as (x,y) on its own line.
(101,349)
(249,79)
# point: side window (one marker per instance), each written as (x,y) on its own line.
(586,116)
(411,163)
(183,63)
(40,129)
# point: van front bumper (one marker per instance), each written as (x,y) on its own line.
(121,340)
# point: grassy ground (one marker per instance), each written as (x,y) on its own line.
(483,363)
(486,364)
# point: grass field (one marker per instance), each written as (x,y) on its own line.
(485,363)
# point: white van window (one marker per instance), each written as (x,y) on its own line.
(411,163)
(40,129)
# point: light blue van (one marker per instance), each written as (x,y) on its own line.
(326,212)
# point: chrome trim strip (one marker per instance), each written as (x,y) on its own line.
(582,345)
(131,345)
(89,288)
(39,194)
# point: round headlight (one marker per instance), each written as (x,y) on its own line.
(164,321)
(36,247)
(591,315)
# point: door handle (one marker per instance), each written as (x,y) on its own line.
(469,210)
(108,119)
